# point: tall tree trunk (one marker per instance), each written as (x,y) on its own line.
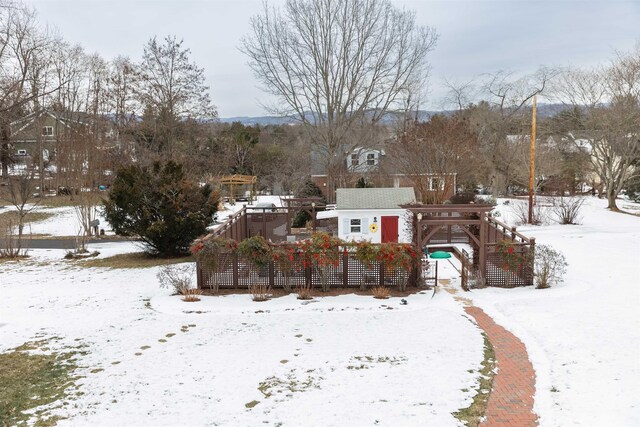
(611,199)
(5,138)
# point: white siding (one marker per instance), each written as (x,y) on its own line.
(368,217)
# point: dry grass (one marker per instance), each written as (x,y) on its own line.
(31,380)
(62,201)
(34,216)
(191,295)
(304,291)
(381,292)
(132,260)
(472,414)
(259,292)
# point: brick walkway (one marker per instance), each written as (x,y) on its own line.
(511,400)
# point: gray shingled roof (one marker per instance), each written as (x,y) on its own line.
(374,198)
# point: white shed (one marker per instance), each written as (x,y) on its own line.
(374,214)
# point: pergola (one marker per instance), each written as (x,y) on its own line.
(237,180)
(453,223)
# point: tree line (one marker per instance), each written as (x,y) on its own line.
(340,68)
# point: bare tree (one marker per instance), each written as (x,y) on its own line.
(502,115)
(171,90)
(338,65)
(20,193)
(441,146)
(607,117)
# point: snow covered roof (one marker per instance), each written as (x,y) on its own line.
(374,198)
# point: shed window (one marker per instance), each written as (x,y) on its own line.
(47,130)
(355,225)
(355,160)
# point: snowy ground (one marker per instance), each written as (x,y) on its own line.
(65,221)
(336,360)
(583,336)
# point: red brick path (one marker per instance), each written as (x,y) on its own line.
(511,400)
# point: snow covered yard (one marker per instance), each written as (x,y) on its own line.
(155,360)
(583,337)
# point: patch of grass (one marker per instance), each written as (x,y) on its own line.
(290,384)
(132,260)
(62,201)
(471,415)
(33,216)
(251,404)
(28,381)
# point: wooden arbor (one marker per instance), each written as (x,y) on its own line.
(453,224)
(237,180)
(471,223)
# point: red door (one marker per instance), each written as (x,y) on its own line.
(389,229)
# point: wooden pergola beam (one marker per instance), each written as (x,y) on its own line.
(454,220)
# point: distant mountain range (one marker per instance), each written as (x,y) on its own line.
(544,111)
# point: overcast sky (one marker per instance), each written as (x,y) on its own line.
(476,36)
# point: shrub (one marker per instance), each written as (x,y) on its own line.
(549,266)
(259,291)
(214,254)
(463,197)
(567,209)
(284,258)
(367,253)
(512,259)
(309,189)
(162,207)
(177,277)
(191,295)
(380,292)
(303,291)
(321,252)
(521,210)
(256,250)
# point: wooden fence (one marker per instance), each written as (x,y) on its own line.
(524,247)
(235,272)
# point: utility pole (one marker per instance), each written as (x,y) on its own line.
(532,160)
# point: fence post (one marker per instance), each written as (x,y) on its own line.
(236,266)
(532,249)
(272,274)
(198,276)
(381,274)
(345,268)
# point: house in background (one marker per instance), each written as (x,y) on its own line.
(42,129)
(373,166)
(374,214)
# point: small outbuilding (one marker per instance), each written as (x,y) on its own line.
(374,214)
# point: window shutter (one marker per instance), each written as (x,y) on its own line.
(364,224)
(346,225)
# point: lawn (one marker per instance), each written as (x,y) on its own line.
(150,358)
(153,359)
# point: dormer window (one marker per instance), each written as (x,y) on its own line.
(47,131)
(371,159)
